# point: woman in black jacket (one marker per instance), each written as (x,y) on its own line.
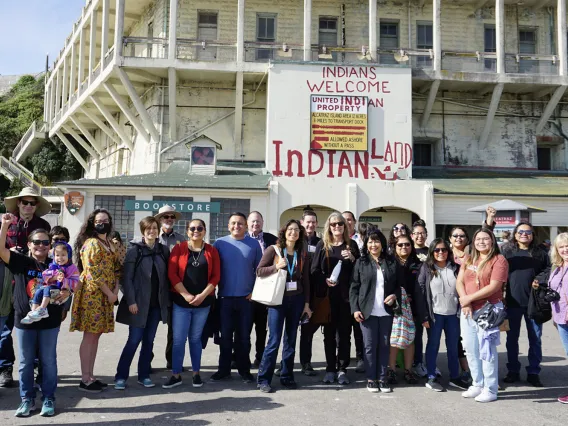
(408,266)
(334,247)
(146,290)
(375,288)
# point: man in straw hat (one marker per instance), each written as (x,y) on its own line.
(167,217)
(27,207)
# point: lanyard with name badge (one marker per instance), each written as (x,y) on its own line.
(291,285)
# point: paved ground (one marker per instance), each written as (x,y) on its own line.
(313,403)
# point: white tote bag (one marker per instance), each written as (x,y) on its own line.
(270,290)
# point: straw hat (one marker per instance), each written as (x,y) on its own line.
(42,208)
(166,210)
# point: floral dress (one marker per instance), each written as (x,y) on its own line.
(92,312)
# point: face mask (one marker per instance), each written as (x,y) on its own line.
(102,228)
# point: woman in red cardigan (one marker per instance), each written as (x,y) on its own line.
(194,272)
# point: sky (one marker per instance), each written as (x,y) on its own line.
(30,29)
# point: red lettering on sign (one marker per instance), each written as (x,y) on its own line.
(311,154)
(298,155)
(374,155)
(277,171)
(330,154)
(344,164)
(388,153)
(362,164)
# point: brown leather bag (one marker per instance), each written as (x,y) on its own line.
(322,307)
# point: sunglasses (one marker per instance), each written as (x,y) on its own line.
(168,216)
(196,228)
(419,233)
(524,232)
(333,225)
(28,203)
(403,245)
(440,250)
(398,228)
(40,242)
(458,236)
(56,240)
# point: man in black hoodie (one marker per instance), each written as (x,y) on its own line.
(528,265)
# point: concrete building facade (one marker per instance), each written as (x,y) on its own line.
(194,113)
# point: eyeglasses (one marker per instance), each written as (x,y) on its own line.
(196,228)
(456,236)
(168,216)
(101,222)
(333,225)
(524,232)
(419,233)
(440,250)
(398,228)
(40,242)
(28,203)
(403,245)
(56,240)
(293,230)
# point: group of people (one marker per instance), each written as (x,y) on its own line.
(352,280)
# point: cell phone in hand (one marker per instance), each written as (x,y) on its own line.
(304,319)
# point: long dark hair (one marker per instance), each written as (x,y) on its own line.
(475,255)
(412,257)
(431,261)
(299,245)
(88,231)
(375,234)
(513,244)
(392,238)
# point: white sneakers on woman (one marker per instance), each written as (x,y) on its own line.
(480,394)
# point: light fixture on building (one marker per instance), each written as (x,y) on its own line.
(203,45)
(285,52)
(308,207)
(401,56)
(381,210)
(365,54)
(324,53)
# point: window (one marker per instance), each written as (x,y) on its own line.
(327,35)
(544,158)
(490,45)
(207,31)
(220,221)
(527,46)
(185,216)
(424,40)
(388,40)
(123,220)
(265,33)
(422,154)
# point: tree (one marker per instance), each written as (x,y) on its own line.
(55,163)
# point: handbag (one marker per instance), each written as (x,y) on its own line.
(322,306)
(403,327)
(270,290)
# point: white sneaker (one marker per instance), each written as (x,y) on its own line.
(486,396)
(329,377)
(472,392)
(419,370)
(34,316)
(342,378)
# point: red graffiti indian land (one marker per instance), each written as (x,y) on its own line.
(358,165)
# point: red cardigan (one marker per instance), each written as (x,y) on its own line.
(178,262)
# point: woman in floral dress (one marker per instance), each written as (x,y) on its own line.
(93,307)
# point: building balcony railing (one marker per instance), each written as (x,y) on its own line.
(16,170)
(206,51)
(37,130)
(142,47)
(531,64)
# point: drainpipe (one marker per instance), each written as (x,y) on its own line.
(409,27)
(550,11)
(160,142)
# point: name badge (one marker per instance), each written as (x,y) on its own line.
(311,249)
(291,286)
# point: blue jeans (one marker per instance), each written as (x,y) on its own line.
(235,316)
(29,341)
(534,330)
(42,292)
(7,356)
(187,324)
(483,373)
(136,335)
(418,343)
(3,321)
(285,317)
(563,332)
(450,325)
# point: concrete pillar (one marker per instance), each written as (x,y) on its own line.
(119,28)
(437,35)
(561,33)
(105,30)
(72,71)
(238,131)
(553,233)
(500,35)
(82,51)
(241,31)
(65,82)
(57,90)
(351,198)
(205,217)
(373,29)
(272,220)
(307,30)
(92,45)
(172,107)
(172,42)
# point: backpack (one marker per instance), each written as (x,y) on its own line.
(403,327)
(140,256)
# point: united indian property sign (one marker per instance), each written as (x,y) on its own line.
(339,122)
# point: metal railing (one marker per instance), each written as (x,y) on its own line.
(517,63)
(265,52)
(35,127)
(144,47)
(108,57)
(26,177)
(206,50)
